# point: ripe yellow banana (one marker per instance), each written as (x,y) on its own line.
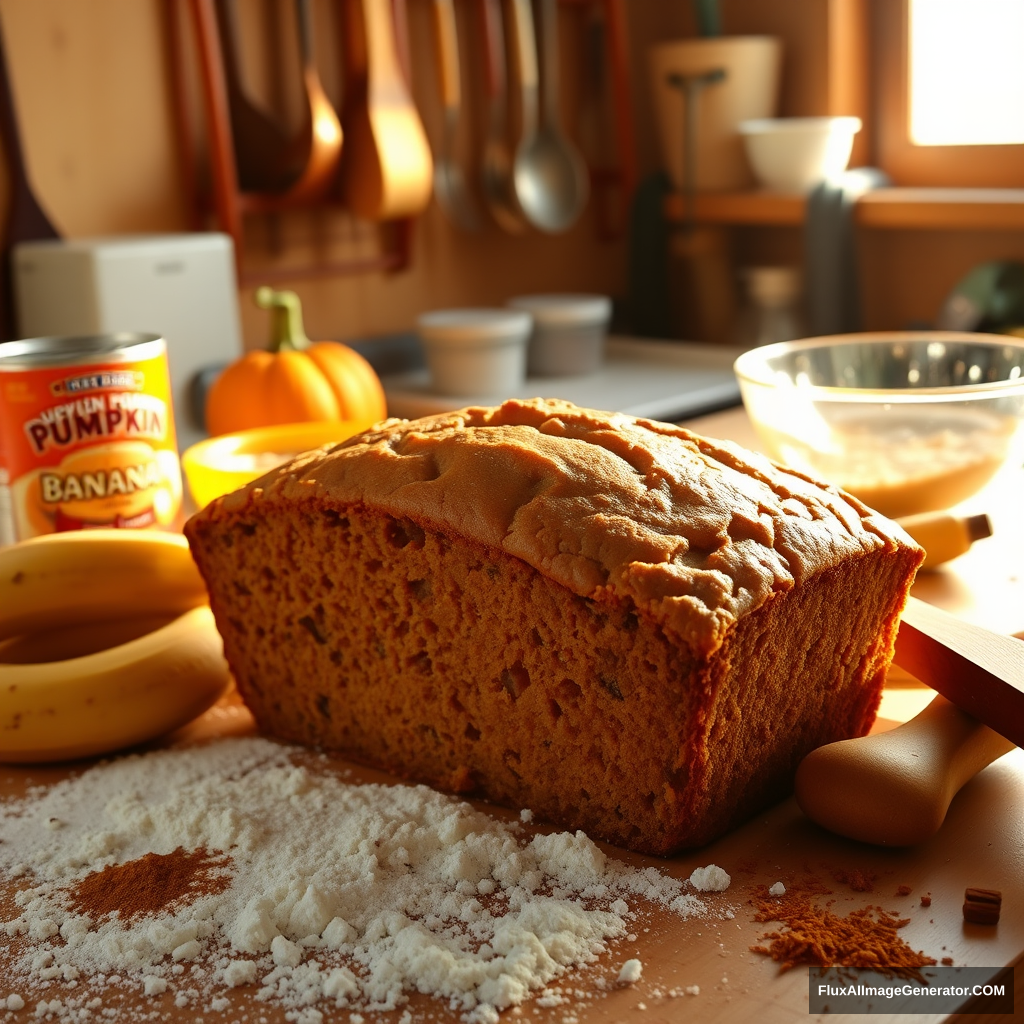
(64,579)
(119,683)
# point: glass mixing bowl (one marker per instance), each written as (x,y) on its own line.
(908,422)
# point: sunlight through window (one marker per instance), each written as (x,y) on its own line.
(966,72)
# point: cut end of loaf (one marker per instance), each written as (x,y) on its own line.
(444,660)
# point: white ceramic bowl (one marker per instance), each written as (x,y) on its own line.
(793,154)
(568,333)
(474,352)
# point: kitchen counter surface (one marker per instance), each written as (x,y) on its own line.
(981,844)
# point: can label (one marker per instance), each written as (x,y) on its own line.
(88,446)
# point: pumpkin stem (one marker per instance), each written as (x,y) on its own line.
(286,331)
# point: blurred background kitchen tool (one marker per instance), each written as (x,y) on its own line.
(264,158)
(320,138)
(450,187)
(25,218)
(988,298)
(524,48)
(550,177)
(496,168)
(752,66)
(387,168)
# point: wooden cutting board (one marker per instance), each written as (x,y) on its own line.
(981,844)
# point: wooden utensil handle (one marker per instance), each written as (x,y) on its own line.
(494,50)
(525,49)
(980,671)
(448,53)
(894,788)
(549,58)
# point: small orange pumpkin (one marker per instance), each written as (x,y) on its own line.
(295,381)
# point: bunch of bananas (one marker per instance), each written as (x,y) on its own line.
(106,640)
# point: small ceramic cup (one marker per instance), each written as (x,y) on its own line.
(476,351)
(568,333)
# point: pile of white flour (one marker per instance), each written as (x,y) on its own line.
(340,895)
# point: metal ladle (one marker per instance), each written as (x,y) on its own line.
(550,177)
(450,187)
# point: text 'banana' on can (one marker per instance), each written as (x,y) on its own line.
(86,435)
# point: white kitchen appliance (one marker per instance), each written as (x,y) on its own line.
(182,287)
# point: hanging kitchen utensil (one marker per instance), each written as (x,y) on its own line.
(449,182)
(551,179)
(387,168)
(264,160)
(319,142)
(26,220)
(496,168)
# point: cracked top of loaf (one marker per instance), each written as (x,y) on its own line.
(696,533)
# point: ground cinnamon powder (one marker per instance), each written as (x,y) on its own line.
(857,880)
(865,939)
(151,884)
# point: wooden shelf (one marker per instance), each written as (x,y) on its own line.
(927,209)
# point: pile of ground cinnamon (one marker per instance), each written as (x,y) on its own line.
(151,884)
(865,939)
(857,880)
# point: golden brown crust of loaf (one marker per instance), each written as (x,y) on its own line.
(692,532)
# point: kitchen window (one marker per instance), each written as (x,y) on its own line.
(950,97)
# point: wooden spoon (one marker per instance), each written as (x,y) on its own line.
(265,161)
(320,139)
(894,788)
(387,168)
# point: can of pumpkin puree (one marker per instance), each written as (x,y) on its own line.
(86,435)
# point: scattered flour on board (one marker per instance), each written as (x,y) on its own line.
(710,879)
(327,894)
(631,972)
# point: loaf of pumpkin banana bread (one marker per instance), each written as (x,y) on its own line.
(618,624)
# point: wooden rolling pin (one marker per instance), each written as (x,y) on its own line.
(894,788)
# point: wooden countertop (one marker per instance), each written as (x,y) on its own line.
(980,844)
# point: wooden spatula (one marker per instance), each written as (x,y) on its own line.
(894,788)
